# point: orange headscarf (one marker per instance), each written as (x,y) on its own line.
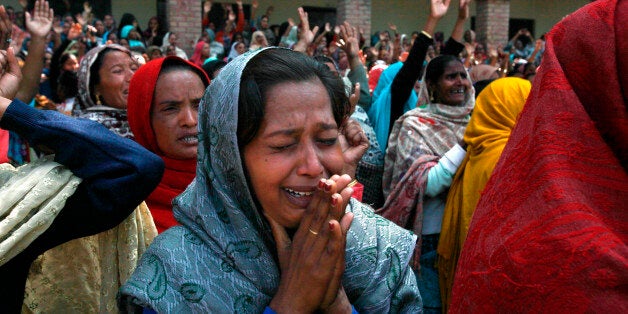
(495,113)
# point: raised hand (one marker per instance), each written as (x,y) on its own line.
(354,144)
(463,11)
(306,33)
(11,74)
(392,27)
(350,42)
(314,258)
(40,23)
(438,9)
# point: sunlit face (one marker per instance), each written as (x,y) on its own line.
(115,74)
(296,145)
(71,64)
(174,113)
(452,85)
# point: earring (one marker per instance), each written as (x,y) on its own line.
(98,102)
(431,96)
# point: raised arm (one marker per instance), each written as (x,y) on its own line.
(306,35)
(403,83)
(38,25)
(454,45)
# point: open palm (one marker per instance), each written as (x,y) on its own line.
(40,23)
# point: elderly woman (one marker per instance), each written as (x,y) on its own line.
(164,95)
(101,263)
(494,116)
(103,178)
(266,222)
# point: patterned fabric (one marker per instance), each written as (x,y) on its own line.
(379,113)
(223,258)
(555,204)
(88,282)
(178,173)
(496,110)
(32,196)
(418,139)
(371,167)
(112,118)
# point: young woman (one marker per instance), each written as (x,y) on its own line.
(164,96)
(265,224)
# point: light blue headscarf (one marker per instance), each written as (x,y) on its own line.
(222,257)
(379,113)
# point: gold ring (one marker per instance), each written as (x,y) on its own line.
(312,231)
(352,183)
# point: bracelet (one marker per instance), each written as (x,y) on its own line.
(426,34)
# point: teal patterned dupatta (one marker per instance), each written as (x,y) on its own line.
(222,259)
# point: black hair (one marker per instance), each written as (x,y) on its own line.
(276,66)
(325,59)
(178,64)
(94,76)
(437,66)
(481,85)
(212,66)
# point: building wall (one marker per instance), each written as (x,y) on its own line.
(142,9)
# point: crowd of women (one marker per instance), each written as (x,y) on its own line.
(410,177)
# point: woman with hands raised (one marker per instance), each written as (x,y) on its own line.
(268,224)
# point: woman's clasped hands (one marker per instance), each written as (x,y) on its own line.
(313,261)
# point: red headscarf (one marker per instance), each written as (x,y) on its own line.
(549,233)
(197,56)
(179,173)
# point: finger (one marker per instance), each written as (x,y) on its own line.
(282,242)
(14,66)
(315,29)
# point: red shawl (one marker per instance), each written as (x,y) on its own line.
(4,146)
(178,173)
(549,233)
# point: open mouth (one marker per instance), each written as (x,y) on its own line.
(300,199)
(189,139)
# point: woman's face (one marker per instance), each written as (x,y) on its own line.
(115,74)
(125,43)
(296,145)
(155,54)
(153,24)
(453,85)
(174,113)
(171,51)
(205,51)
(71,64)
(240,48)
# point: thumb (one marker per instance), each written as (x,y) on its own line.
(282,241)
(315,29)
(14,66)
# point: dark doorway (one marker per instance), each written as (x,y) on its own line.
(319,16)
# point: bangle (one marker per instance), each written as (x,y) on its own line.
(426,34)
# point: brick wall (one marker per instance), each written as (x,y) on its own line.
(357,13)
(185,19)
(492,21)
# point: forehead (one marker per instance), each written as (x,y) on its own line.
(453,66)
(115,57)
(296,104)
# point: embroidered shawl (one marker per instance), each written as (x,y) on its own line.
(555,205)
(418,139)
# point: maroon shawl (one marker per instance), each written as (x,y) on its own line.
(549,233)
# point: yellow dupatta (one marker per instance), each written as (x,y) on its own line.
(496,111)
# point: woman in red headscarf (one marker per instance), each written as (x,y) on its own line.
(550,230)
(164,95)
